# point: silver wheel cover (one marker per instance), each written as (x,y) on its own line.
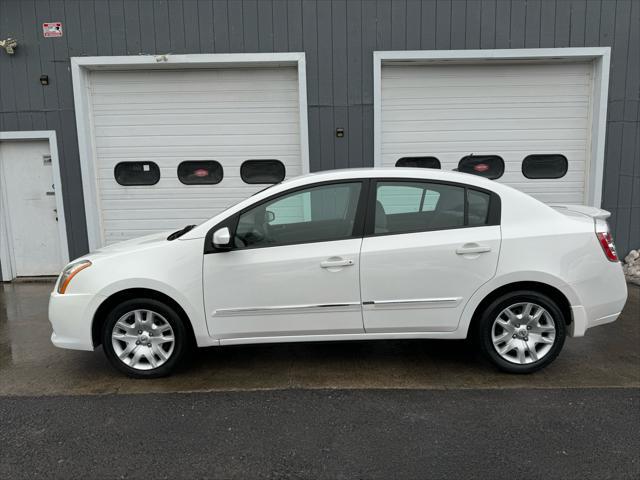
(523,333)
(143,339)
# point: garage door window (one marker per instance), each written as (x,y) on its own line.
(488,166)
(318,214)
(418,162)
(545,166)
(262,171)
(200,172)
(136,173)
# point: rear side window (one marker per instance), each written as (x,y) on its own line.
(200,172)
(418,162)
(410,206)
(262,171)
(487,166)
(136,173)
(403,207)
(545,166)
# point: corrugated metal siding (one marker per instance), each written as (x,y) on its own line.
(339,38)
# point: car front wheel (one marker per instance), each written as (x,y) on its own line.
(144,338)
(522,332)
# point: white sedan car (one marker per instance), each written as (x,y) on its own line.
(351,255)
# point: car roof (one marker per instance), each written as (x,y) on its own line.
(394,172)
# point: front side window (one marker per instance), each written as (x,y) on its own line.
(403,207)
(488,166)
(316,214)
(262,171)
(200,172)
(136,173)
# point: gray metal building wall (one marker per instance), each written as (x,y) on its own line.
(339,37)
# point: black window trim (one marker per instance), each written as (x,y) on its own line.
(259,160)
(471,156)
(201,161)
(493,217)
(115,177)
(566,165)
(232,221)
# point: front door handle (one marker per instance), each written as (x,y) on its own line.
(336,263)
(473,248)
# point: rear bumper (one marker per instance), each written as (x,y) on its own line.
(70,316)
(601,302)
(581,322)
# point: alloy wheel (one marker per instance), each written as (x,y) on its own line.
(143,339)
(523,333)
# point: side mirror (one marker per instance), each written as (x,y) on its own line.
(222,238)
(269,216)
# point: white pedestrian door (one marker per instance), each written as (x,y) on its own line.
(29,215)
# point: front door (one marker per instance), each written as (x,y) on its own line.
(293,269)
(29,216)
(426,254)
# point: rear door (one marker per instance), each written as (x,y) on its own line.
(428,247)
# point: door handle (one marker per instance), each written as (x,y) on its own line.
(336,263)
(473,249)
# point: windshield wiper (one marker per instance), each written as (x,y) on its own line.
(181,232)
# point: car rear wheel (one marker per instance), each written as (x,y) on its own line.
(522,332)
(144,338)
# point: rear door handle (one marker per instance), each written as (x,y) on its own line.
(473,249)
(336,263)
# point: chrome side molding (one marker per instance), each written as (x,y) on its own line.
(434,302)
(229,312)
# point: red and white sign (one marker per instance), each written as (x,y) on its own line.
(52,29)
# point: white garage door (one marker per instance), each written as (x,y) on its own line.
(512,111)
(159,119)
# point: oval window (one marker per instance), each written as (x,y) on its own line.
(262,171)
(131,174)
(200,172)
(488,166)
(545,166)
(418,162)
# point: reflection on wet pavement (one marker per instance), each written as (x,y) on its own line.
(31,365)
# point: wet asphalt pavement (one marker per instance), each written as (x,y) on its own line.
(384,409)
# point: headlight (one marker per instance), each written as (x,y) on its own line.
(69,272)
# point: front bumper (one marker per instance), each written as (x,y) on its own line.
(70,316)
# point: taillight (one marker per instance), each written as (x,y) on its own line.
(609,248)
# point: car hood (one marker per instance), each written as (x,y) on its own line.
(131,245)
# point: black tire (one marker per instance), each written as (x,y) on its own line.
(180,335)
(485,326)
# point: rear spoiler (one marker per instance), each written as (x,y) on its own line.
(593,212)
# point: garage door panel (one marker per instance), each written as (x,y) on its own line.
(198,129)
(488,135)
(510,110)
(536,111)
(524,92)
(167,117)
(190,119)
(192,140)
(475,124)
